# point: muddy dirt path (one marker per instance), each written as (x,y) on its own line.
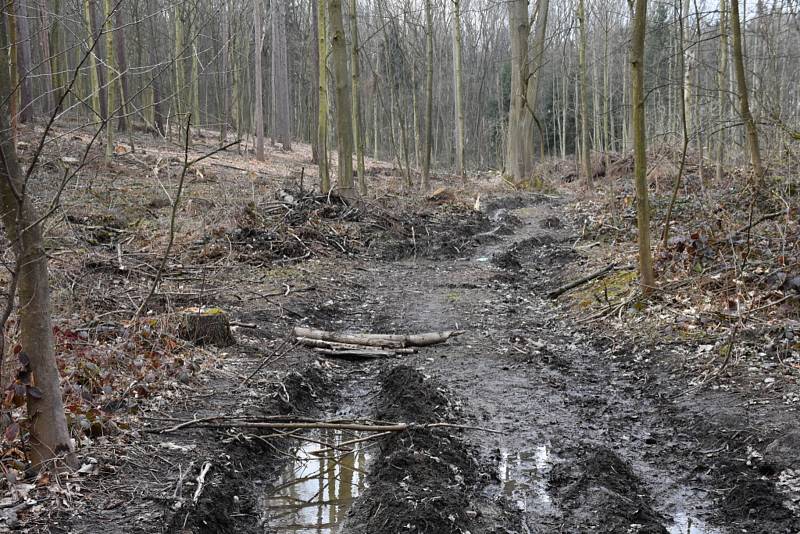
(590,431)
(598,436)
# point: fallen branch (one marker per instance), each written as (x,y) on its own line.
(767,217)
(378,340)
(323,425)
(338,347)
(586,279)
(201,480)
(357,353)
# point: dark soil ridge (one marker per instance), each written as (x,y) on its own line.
(424,480)
(603,481)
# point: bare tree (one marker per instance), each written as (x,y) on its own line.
(647,279)
(258,28)
(280,77)
(744,98)
(49,435)
(344,116)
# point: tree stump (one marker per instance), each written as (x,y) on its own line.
(206,327)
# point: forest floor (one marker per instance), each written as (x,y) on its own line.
(596,411)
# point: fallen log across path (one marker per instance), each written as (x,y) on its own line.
(384,341)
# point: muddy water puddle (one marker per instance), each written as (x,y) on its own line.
(314,491)
(684,524)
(523,476)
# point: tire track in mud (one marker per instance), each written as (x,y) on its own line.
(589,443)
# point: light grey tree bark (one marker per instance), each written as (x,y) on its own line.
(280,77)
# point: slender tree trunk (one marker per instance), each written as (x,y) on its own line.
(532,90)
(112,79)
(180,67)
(722,89)
(520,139)
(226,93)
(744,99)
(322,130)
(57,58)
(280,77)
(124,79)
(47,68)
(49,435)
(259,75)
(426,154)
(459,90)
(315,62)
(24,60)
(344,114)
(358,122)
(586,161)
(647,278)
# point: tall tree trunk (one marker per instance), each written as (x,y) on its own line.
(226,93)
(24,60)
(744,99)
(180,67)
(49,435)
(722,86)
(58,56)
(532,90)
(259,76)
(315,78)
(280,77)
(158,107)
(646,277)
(47,68)
(124,79)
(194,79)
(99,88)
(322,129)
(459,89)
(519,155)
(344,115)
(112,78)
(586,161)
(358,122)
(426,149)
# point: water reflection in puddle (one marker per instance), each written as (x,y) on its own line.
(524,475)
(684,524)
(313,493)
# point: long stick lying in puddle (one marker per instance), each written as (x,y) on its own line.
(309,425)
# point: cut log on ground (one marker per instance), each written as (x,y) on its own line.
(378,340)
(332,348)
(206,327)
(357,353)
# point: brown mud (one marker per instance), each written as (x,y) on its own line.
(599,433)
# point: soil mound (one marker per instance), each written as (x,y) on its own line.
(606,494)
(406,396)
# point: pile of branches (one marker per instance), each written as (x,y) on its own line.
(296,226)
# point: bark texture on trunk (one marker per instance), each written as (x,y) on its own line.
(358,123)
(344,114)
(24,60)
(426,154)
(259,75)
(322,123)
(280,77)
(459,88)
(640,145)
(744,98)
(48,424)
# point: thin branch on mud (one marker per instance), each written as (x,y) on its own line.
(276,354)
(318,425)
